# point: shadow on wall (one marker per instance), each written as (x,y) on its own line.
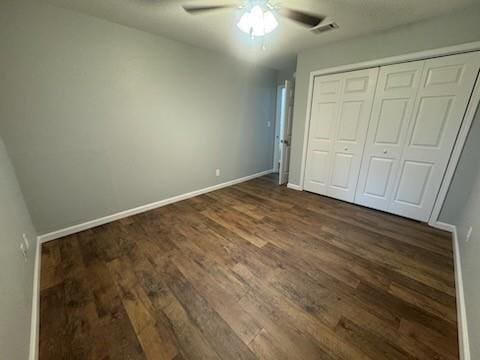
(466,173)
(16,273)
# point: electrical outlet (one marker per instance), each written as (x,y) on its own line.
(23,249)
(217,172)
(269,123)
(469,234)
(26,241)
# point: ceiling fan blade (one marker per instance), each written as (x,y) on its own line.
(201,9)
(301,17)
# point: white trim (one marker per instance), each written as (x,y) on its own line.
(35,321)
(276,140)
(443,226)
(464,129)
(120,215)
(463,339)
(420,55)
(456,152)
(294,187)
(307,130)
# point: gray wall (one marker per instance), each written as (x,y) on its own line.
(286,73)
(462,209)
(16,275)
(453,29)
(100,118)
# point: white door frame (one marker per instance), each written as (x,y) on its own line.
(276,142)
(286,131)
(462,135)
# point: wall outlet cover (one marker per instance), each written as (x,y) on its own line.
(217,172)
(23,249)
(26,241)
(469,234)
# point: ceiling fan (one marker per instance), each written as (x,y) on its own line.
(258,18)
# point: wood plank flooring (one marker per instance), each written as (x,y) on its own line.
(246,272)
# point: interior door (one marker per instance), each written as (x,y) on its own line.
(443,95)
(341,107)
(392,109)
(286,132)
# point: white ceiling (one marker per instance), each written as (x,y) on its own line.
(217,30)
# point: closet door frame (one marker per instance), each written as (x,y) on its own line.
(464,128)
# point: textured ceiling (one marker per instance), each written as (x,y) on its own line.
(217,30)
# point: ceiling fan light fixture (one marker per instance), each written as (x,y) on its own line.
(257,21)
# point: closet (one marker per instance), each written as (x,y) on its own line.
(382,137)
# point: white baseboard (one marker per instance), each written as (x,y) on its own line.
(294,187)
(35,321)
(106,219)
(443,226)
(463,339)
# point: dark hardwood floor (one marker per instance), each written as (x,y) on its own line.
(251,271)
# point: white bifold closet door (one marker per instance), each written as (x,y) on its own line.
(392,110)
(442,99)
(386,144)
(417,113)
(340,113)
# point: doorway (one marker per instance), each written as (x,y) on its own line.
(283,131)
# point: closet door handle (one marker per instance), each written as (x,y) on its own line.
(385,151)
(346,148)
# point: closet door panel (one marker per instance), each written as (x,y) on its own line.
(415,177)
(394,100)
(319,168)
(378,176)
(443,96)
(391,120)
(341,106)
(349,133)
(342,165)
(323,119)
(353,119)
